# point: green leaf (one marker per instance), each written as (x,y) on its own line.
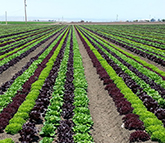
(81,129)
(13,128)
(7,140)
(48,130)
(83,138)
(52,119)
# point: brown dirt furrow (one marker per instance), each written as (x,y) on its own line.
(142,58)
(107,126)
(9,73)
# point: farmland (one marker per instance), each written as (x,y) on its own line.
(82,83)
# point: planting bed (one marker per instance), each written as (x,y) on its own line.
(70,84)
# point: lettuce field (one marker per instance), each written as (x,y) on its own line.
(82,83)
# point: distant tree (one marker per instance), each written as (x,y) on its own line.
(147,21)
(152,20)
(82,21)
(135,21)
(159,20)
(163,20)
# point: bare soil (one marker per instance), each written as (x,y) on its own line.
(9,73)
(108,125)
(142,58)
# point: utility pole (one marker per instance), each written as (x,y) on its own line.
(117,17)
(6,17)
(25,11)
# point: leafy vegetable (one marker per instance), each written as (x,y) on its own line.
(48,130)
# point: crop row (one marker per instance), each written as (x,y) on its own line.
(152,83)
(148,51)
(133,98)
(19,52)
(12,30)
(53,89)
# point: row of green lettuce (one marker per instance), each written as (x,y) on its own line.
(31,41)
(16,123)
(136,58)
(23,38)
(82,118)
(152,124)
(133,44)
(6,98)
(53,113)
(134,37)
(19,35)
(152,75)
(149,32)
(11,30)
(25,47)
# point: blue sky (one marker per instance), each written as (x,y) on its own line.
(94,10)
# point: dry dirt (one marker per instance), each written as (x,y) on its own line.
(107,121)
(6,75)
(142,58)
(107,126)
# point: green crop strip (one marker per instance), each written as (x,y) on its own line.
(151,92)
(28,37)
(52,116)
(154,68)
(134,44)
(28,45)
(6,98)
(152,124)
(29,103)
(82,118)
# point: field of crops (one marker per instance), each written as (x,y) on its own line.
(82,83)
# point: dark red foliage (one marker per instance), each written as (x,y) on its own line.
(5,115)
(34,115)
(117,100)
(109,86)
(27,133)
(130,115)
(134,123)
(139,136)
(117,96)
(65,133)
(99,69)
(150,105)
(3,122)
(124,107)
(125,110)
(107,81)
(67,110)
(11,111)
(104,75)
(123,103)
(160,113)
(114,91)
(68,97)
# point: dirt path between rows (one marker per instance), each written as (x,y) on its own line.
(142,58)
(108,123)
(9,73)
